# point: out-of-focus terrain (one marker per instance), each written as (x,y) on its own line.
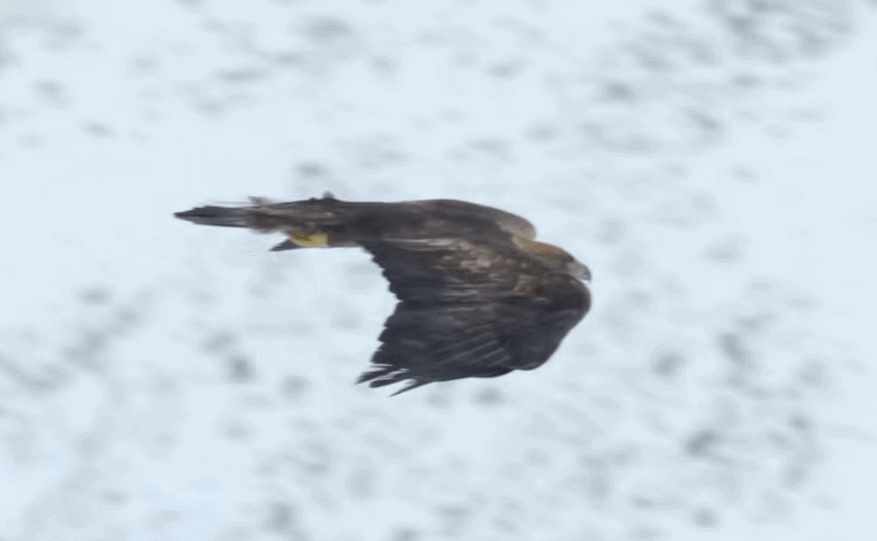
(712,162)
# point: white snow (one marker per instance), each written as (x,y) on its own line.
(712,163)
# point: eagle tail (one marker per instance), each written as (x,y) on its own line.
(220,216)
(264,215)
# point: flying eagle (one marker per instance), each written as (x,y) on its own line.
(478,295)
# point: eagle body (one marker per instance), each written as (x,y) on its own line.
(478,295)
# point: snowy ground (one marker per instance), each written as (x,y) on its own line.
(712,162)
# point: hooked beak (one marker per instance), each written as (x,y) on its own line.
(580,271)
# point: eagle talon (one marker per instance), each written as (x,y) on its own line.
(312,240)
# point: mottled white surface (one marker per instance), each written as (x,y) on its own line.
(712,161)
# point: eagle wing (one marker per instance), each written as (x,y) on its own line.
(511,224)
(469,309)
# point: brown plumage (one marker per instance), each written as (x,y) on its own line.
(478,295)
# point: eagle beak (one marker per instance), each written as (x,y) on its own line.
(580,271)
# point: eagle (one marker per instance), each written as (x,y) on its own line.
(478,295)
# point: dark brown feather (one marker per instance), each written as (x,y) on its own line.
(463,313)
(478,296)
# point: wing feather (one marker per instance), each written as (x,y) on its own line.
(462,313)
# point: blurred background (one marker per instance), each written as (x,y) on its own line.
(712,161)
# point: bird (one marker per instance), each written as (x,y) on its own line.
(478,295)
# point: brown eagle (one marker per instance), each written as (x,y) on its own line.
(478,295)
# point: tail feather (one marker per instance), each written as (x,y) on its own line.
(220,216)
(265,215)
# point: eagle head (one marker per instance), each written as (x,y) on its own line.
(555,258)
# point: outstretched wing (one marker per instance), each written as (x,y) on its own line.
(469,309)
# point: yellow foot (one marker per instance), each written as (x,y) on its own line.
(313,240)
